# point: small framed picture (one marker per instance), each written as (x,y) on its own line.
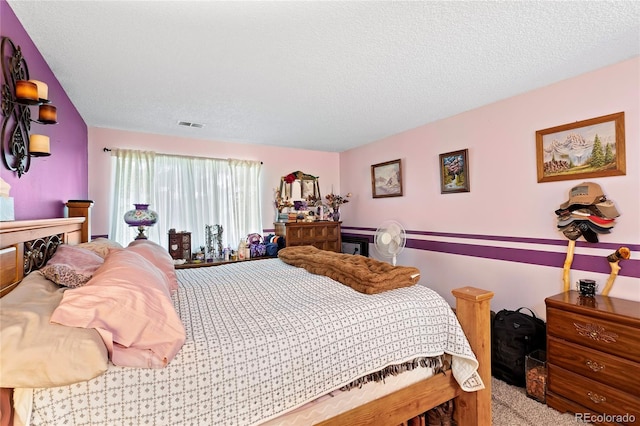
(454,172)
(386,179)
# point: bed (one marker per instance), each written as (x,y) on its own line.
(199,387)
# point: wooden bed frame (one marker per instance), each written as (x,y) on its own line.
(26,244)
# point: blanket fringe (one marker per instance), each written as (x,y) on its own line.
(438,363)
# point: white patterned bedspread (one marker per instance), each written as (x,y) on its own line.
(263,338)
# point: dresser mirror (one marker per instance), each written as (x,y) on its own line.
(300,186)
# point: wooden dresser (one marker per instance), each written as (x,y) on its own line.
(593,357)
(324,235)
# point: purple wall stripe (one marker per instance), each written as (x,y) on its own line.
(546,241)
(630,268)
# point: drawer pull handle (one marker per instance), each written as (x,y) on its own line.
(598,399)
(594,366)
(595,332)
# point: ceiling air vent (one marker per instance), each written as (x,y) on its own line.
(189,124)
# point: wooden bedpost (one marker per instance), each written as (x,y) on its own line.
(81,208)
(473,308)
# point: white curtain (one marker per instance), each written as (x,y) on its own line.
(191,192)
(245,198)
(133,175)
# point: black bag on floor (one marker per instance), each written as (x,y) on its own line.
(513,336)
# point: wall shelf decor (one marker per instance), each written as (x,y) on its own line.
(18,95)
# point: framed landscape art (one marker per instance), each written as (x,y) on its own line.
(454,172)
(386,179)
(582,150)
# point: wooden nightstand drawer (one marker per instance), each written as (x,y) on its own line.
(597,333)
(605,368)
(594,395)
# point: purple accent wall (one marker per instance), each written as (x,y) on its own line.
(50,181)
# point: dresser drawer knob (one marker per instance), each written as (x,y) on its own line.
(595,332)
(594,366)
(598,399)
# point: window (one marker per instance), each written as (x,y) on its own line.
(187,193)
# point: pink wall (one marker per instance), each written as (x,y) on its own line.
(277,162)
(502,235)
(505,200)
(53,180)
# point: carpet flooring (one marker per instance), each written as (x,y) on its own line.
(512,407)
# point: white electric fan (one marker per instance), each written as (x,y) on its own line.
(389,240)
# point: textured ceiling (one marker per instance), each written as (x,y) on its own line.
(311,74)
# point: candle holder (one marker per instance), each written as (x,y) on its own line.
(18,94)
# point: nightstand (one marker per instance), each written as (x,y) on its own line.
(593,356)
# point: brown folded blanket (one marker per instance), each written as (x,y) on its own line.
(361,273)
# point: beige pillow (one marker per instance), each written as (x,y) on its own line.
(100,246)
(35,353)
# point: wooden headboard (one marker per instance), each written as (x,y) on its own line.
(26,245)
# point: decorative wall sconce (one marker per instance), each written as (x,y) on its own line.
(18,95)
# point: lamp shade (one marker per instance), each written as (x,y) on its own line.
(141,216)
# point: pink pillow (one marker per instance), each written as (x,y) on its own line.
(128,302)
(160,258)
(71,266)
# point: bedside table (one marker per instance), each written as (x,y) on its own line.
(593,356)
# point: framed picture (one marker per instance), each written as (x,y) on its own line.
(584,149)
(386,179)
(454,172)
(355,245)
